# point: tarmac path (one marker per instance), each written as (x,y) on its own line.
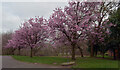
(9,62)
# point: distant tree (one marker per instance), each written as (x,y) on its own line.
(101,28)
(11,47)
(5,37)
(115,31)
(32,34)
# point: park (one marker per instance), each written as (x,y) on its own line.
(80,35)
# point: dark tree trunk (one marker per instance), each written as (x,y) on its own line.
(91,52)
(19,50)
(81,52)
(95,53)
(114,54)
(111,53)
(73,52)
(119,53)
(31,52)
(13,51)
(102,55)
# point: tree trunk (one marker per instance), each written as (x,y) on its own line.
(111,53)
(114,55)
(95,53)
(118,53)
(103,55)
(18,50)
(13,51)
(81,52)
(31,52)
(91,52)
(73,52)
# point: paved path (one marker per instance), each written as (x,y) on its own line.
(9,62)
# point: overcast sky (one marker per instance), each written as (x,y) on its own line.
(14,13)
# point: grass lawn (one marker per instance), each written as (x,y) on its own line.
(85,62)
(95,63)
(42,59)
(109,57)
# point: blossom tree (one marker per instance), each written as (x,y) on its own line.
(31,34)
(15,42)
(11,45)
(18,42)
(97,36)
(34,32)
(100,28)
(71,24)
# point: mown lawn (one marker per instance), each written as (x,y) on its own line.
(95,63)
(42,59)
(85,62)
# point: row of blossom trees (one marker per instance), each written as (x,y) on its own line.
(76,22)
(32,33)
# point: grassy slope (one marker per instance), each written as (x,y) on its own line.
(95,63)
(43,59)
(80,62)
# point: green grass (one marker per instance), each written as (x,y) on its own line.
(85,62)
(43,59)
(105,56)
(95,63)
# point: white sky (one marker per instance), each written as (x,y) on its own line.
(14,13)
